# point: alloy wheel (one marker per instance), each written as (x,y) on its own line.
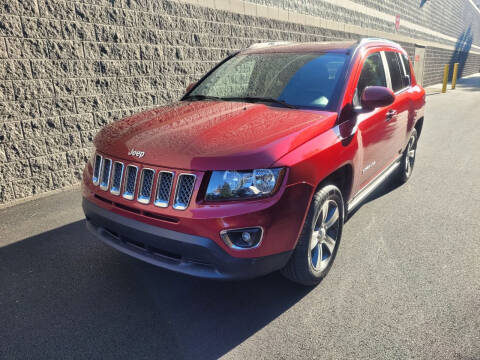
(410,158)
(324,236)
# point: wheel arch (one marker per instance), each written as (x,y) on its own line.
(342,178)
(419,126)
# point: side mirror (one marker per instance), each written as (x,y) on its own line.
(406,80)
(190,87)
(376,96)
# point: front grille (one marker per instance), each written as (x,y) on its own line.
(146,184)
(96,169)
(164,188)
(130,182)
(183,192)
(116,178)
(105,178)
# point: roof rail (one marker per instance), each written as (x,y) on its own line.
(369,40)
(268,44)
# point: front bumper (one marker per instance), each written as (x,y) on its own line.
(180,252)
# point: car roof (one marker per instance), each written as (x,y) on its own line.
(314,47)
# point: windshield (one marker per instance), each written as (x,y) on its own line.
(299,79)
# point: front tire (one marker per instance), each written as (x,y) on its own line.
(318,243)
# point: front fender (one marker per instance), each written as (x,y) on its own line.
(319,157)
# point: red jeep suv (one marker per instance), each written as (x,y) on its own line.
(256,167)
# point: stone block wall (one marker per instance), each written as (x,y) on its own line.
(67,68)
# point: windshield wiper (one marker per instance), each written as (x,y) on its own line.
(262,99)
(244,98)
(202,97)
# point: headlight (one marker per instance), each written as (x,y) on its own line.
(237,185)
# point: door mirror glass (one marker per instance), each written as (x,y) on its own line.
(406,80)
(376,96)
(190,87)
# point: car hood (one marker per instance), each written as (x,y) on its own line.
(212,135)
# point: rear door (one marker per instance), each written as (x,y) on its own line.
(401,108)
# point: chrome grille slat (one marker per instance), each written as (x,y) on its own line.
(164,188)
(96,169)
(130,182)
(183,191)
(145,185)
(127,180)
(117,176)
(106,170)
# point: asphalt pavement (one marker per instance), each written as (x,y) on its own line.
(405,283)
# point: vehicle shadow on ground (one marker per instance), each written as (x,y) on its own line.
(66,295)
(383,189)
(469,84)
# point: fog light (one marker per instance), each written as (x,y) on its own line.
(246,237)
(242,238)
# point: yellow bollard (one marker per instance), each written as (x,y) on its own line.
(445,78)
(455,74)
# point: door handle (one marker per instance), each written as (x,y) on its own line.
(390,114)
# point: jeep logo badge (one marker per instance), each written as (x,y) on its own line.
(136,153)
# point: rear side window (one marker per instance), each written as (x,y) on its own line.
(373,74)
(396,71)
(406,63)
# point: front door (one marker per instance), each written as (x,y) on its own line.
(375,131)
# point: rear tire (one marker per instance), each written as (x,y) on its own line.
(320,238)
(408,158)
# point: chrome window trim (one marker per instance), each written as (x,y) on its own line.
(401,63)
(402,90)
(157,202)
(132,196)
(141,199)
(177,206)
(105,187)
(386,69)
(112,191)
(97,181)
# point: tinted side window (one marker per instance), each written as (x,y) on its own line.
(396,71)
(373,74)
(406,63)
